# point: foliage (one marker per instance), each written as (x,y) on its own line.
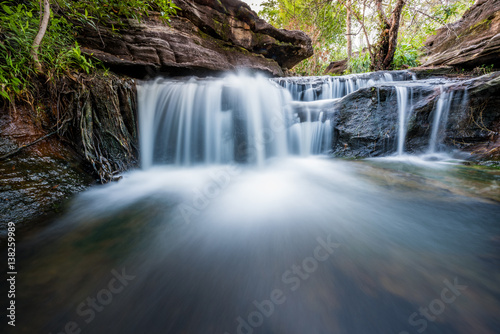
(18,27)
(406,55)
(114,13)
(321,20)
(359,63)
(483,69)
(59,52)
(325,23)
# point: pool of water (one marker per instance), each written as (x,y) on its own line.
(298,245)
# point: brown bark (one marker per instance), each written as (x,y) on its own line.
(44,22)
(349,36)
(388,39)
(361,21)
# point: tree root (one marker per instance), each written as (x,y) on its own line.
(19,149)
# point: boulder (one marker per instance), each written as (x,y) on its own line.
(336,67)
(205,36)
(472,41)
(366,121)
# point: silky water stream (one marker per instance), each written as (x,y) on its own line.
(239,222)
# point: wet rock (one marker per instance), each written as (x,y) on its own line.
(37,181)
(366,122)
(476,129)
(97,139)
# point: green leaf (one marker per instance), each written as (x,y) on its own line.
(7,9)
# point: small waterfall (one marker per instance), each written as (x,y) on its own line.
(311,132)
(404,112)
(328,87)
(441,110)
(216,121)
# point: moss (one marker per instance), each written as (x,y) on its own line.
(222,29)
(477,28)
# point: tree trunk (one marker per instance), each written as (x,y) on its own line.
(349,35)
(44,22)
(388,39)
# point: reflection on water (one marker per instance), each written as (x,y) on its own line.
(297,246)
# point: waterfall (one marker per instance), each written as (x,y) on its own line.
(440,111)
(220,120)
(248,119)
(404,112)
(327,87)
(313,133)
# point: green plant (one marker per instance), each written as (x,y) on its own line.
(114,13)
(483,69)
(359,63)
(406,55)
(59,52)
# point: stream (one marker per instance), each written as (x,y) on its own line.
(239,221)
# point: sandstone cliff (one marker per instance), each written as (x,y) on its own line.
(206,35)
(472,41)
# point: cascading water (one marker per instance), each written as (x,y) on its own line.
(327,87)
(215,121)
(249,119)
(212,121)
(294,246)
(448,99)
(404,112)
(440,117)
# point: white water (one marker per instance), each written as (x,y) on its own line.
(207,247)
(404,110)
(328,87)
(440,117)
(249,119)
(215,121)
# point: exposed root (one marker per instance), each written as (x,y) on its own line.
(19,149)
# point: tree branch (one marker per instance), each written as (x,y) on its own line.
(17,150)
(381,14)
(44,22)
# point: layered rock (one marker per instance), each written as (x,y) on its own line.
(336,67)
(472,41)
(366,122)
(92,127)
(206,35)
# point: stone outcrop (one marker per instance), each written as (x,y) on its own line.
(472,41)
(365,122)
(35,182)
(206,35)
(96,136)
(336,67)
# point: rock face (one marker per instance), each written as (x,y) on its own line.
(97,137)
(472,41)
(35,182)
(207,35)
(477,128)
(336,67)
(365,122)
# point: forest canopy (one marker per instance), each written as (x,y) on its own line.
(363,31)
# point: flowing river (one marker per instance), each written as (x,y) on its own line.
(240,222)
